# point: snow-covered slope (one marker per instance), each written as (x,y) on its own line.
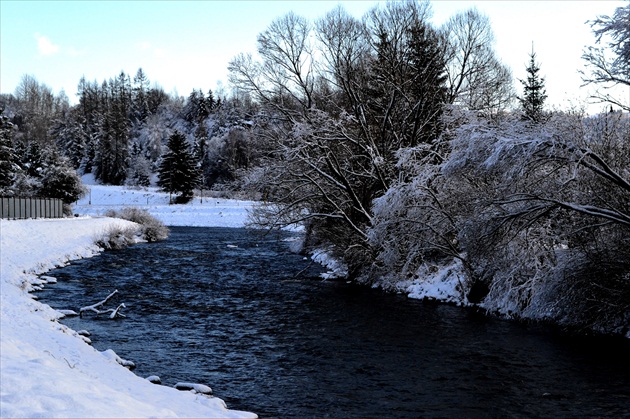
(47,370)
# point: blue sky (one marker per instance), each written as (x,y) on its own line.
(183,45)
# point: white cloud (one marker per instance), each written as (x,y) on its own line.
(155,51)
(45,46)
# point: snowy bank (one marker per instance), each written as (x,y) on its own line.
(47,370)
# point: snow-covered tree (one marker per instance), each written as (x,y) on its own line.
(60,180)
(8,166)
(139,168)
(608,71)
(552,213)
(36,108)
(534,93)
(178,171)
(140,103)
(337,111)
(538,215)
(112,151)
(477,79)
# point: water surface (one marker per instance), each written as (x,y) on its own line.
(237,311)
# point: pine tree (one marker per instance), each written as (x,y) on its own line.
(140,102)
(111,159)
(59,179)
(428,87)
(534,93)
(178,171)
(7,153)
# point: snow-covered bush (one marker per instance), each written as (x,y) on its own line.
(538,215)
(558,215)
(151,230)
(117,237)
(414,222)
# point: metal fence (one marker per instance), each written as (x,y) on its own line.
(20,208)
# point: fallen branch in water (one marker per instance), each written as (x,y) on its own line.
(98,308)
(117,313)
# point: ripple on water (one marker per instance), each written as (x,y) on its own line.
(240,320)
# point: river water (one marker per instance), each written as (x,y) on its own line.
(236,310)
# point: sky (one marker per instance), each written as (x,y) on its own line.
(185,45)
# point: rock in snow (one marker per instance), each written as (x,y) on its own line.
(194,387)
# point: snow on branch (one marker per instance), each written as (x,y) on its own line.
(99,308)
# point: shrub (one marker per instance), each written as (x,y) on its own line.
(117,237)
(152,229)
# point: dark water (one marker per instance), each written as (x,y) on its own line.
(277,341)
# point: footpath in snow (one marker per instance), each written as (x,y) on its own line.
(47,370)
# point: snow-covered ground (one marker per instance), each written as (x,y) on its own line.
(47,370)
(201,212)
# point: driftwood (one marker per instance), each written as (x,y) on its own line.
(99,308)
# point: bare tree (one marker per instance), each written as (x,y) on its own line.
(605,71)
(37,108)
(477,80)
(283,78)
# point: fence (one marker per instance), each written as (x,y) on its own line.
(19,208)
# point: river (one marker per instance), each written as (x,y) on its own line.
(236,310)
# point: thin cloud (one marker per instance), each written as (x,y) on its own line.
(45,46)
(147,46)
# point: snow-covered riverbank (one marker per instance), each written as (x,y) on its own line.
(47,370)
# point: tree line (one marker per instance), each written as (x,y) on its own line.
(120,131)
(401,147)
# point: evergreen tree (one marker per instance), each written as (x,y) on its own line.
(59,179)
(70,137)
(7,153)
(90,119)
(140,96)
(178,172)
(111,159)
(428,87)
(139,169)
(534,93)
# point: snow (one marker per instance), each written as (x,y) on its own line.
(439,283)
(200,212)
(336,268)
(48,370)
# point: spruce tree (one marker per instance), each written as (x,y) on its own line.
(534,93)
(428,88)
(59,179)
(8,158)
(178,172)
